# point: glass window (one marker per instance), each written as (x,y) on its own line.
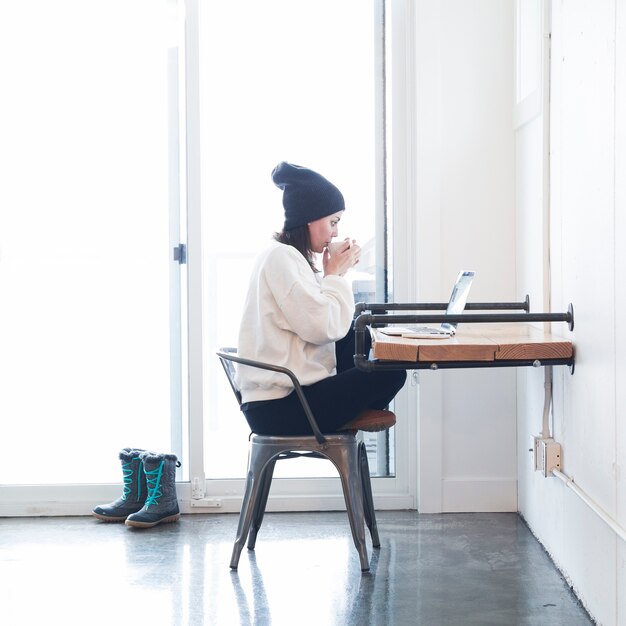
(85,251)
(293,81)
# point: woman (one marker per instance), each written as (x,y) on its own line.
(298,317)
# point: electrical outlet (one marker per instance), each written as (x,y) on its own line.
(197,488)
(547,453)
(537,456)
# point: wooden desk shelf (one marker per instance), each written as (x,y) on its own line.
(488,340)
(475,342)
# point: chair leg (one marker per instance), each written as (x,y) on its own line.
(260,458)
(349,470)
(265,482)
(245,517)
(368,500)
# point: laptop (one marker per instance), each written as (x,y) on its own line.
(456,304)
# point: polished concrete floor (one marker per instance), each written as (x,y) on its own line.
(453,569)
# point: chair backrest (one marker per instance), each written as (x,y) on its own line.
(229,368)
(228,358)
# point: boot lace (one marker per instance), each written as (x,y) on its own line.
(153,482)
(127,473)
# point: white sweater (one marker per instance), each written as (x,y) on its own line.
(292,317)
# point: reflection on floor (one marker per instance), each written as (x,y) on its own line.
(453,569)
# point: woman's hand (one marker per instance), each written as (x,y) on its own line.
(347,257)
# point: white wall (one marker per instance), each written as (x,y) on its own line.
(588,263)
(564,242)
(464,194)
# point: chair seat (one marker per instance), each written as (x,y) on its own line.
(303,442)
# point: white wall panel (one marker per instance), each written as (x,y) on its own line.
(427,239)
(478,231)
(620,298)
(586,165)
(583,57)
(587,268)
(465,220)
(477,146)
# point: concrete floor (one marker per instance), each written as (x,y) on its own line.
(453,569)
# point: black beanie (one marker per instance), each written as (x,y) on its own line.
(307,196)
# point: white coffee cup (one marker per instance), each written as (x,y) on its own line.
(335,246)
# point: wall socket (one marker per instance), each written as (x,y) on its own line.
(547,453)
(197,488)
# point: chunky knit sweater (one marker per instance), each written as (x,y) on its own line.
(292,317)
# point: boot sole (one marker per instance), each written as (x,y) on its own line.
(104,518)
(165,520)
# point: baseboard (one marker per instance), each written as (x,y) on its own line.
(295,503)
(459,495)
(479,495)
(80,501)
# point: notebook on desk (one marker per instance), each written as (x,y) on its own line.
(456,304)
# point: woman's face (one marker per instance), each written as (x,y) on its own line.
(323,230)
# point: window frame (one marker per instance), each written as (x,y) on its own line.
(303,494)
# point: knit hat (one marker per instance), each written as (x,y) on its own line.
(307,196)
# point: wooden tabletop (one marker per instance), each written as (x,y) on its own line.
(475,342)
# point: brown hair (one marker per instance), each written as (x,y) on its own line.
(298,237)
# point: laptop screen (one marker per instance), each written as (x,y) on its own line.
(458,299)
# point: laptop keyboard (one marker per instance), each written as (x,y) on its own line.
(427,330)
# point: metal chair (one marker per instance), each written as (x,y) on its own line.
(343,449)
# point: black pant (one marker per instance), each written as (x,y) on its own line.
(335,401)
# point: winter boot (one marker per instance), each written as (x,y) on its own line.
(135,492)
(161,504)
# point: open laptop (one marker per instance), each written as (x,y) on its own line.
(456,304)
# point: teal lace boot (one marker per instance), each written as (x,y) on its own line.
(135,491)
(161,505)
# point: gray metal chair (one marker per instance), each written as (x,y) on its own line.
(342,449)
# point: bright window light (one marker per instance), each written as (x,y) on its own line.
(84,237)
(281,81)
